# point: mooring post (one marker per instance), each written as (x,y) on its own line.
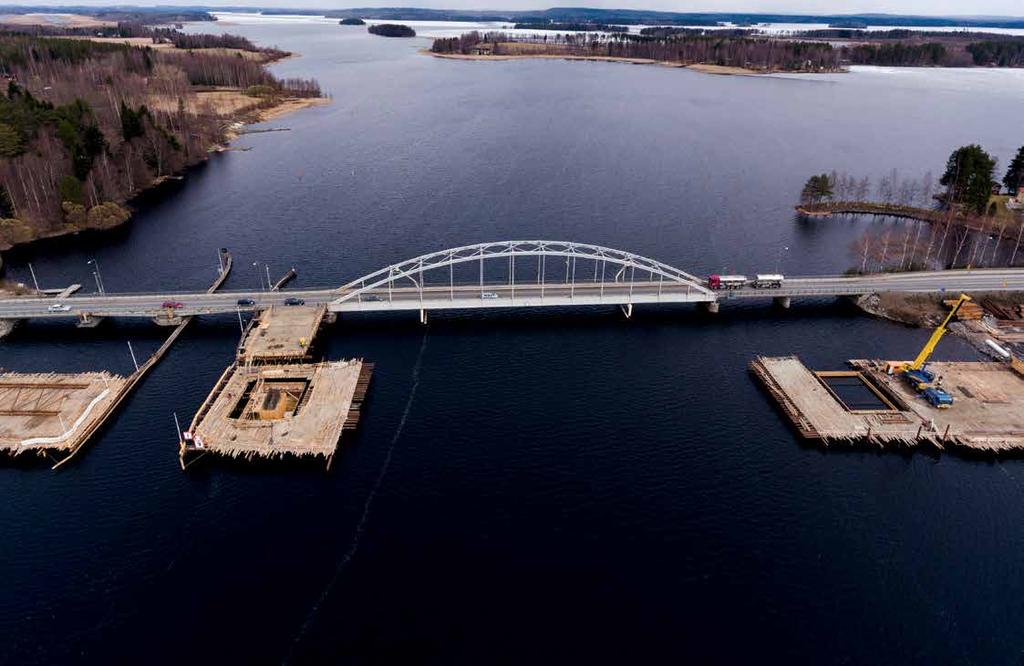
(423,316)
(627,310)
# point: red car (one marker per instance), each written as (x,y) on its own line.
(173,305)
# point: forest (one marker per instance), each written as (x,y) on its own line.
(746,52)
(86,126)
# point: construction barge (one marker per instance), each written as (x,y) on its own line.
(274,401)
(868,406)
(58,414)
(49,414)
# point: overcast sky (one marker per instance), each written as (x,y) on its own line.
(926,7)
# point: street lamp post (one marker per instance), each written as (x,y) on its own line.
(34,280)
(97,275)
(259,274)
(778,258)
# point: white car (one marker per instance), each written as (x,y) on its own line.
(488,295)
(58,307)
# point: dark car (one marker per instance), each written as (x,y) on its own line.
(294,301)
(173,305)
(246,301)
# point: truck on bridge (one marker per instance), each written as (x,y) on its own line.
(760,281)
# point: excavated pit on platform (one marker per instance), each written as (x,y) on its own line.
(274,410)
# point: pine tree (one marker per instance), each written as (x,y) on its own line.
(969,177)
(1015,174)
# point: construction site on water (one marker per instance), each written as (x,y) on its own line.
(275,400)
(970,407)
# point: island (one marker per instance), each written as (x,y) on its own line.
(75,151)
(355,20)
(391,30)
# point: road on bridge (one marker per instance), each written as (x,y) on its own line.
(436,297)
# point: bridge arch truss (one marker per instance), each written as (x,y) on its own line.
(583,263)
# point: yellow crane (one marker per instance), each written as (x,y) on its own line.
(929,347)
(937,334)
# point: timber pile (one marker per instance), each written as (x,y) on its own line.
(362,385)
(996,310)
(969,311)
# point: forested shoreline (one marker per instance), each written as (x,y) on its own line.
(85,125)
(809,51)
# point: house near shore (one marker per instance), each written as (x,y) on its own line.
(1016,201)
(483,49)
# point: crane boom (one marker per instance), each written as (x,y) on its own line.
(937,334)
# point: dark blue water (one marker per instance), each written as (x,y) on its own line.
(548,487)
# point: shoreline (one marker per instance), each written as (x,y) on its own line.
(719,70)
(235,122)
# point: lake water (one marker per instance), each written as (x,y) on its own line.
(544,487)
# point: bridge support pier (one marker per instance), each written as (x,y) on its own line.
(163,320)
(423,316)
(627,310)
(87,320)
(7,327)
(711,307)
(782,302)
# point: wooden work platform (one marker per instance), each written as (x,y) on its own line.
(282,333)
(48,413)
(987,415)
(279,410)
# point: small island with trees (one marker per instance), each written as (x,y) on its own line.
(355,20)
(391,30)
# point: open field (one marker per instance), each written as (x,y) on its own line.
(55,20)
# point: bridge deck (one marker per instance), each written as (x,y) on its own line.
(504,295)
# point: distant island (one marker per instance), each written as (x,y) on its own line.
(571,27)
(855,25)
(391,30)
(352,21)
(75,150)
(738,50)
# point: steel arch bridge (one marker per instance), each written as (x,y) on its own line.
(581,274)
